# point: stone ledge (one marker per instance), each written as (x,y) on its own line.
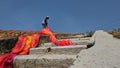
(44,61)
(77,41)
(49,44)
(71,50)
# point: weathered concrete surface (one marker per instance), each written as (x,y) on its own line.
(104,54)
(80,41)
(77,41)
(47,45)
(68,50)
(49,55)
(44,61)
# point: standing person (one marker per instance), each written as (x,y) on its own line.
(45,23)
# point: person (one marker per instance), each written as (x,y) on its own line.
(45,23)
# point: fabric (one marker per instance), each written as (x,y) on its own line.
(24,43)
(53,39)
(21,48)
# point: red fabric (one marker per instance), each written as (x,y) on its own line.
(25,43)
(53,39)
(21,48)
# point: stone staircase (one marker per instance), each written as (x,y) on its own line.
(49,55)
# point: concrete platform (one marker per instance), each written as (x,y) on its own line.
(68,50)
(43,61)
(104,54)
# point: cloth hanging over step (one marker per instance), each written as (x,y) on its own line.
(53,39)
(24,43)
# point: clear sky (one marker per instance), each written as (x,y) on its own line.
(65,15)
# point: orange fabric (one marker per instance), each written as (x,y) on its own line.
(21,48)
(53,39)
(25,43)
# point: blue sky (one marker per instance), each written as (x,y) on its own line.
(65,15)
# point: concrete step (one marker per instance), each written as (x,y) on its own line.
(74,39)
(77,41)
(44,61)
(47,45)
(68,50)
(81,41)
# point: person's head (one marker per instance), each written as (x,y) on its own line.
(47,17)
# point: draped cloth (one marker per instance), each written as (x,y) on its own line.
(53,39)
(24,44)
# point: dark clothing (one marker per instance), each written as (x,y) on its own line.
(45,23)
